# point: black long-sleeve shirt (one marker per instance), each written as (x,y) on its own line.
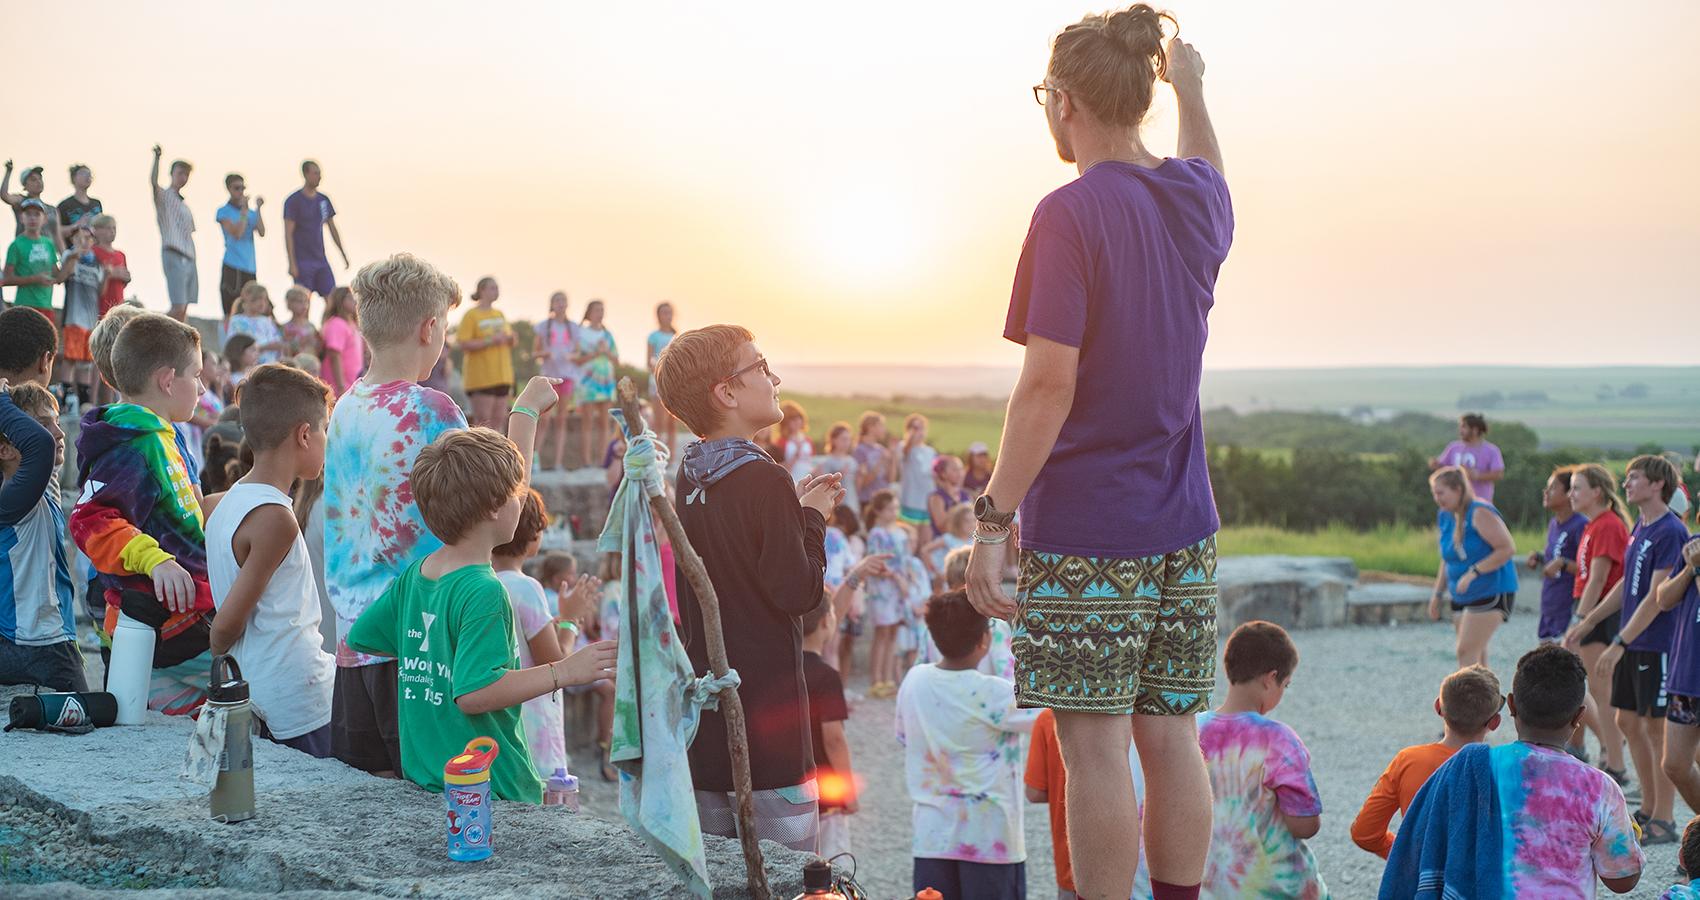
(766,556)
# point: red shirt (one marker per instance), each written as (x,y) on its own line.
(111,289)
(1605,538)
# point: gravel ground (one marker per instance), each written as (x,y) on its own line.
(1360,694)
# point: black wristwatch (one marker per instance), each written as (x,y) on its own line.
(985,512)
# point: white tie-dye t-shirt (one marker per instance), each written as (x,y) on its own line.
(373,529)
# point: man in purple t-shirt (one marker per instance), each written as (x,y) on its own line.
(1480,459)
(1103,454)
(306,215)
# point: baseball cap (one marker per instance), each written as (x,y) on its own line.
(33,203)
(977,447)
(1679,502)
(26,171)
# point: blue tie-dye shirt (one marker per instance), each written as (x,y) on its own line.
(1565,823)
(373,529)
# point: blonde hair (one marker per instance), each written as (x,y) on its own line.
(1454,478)
(961,512)
(102,220)
(298,293)
(1600,480)
(33,399)
(688,371)
(462,478)
(150,343)
(395,296)
(105,334)
(956,567)
(251,290)
(1109,62)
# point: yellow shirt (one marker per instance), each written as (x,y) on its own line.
(491,366)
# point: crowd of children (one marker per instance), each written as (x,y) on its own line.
(426,625)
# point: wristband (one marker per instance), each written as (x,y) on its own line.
(554,676)
(567,625)
(1618,642)
(853,582)
(524,411)
(982,539)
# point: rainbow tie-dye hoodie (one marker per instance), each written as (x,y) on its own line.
(138,508)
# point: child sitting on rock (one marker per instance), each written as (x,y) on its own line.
(448,621)
(1469,705)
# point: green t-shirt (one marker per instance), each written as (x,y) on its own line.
(33,256)
(450,637)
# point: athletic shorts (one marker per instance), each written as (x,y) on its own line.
(230,282)
(789,816)
(564,393)
(1638,683)
(954,878)
(316,277)
(57,666)
(1682,709)
(1107,635)
(1606,631)
(1498,603)
(77,344)
(913,516)
(182,282)
(495,390)
(364,730)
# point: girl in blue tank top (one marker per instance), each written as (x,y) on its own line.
(1476,564)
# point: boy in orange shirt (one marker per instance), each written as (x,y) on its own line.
(1469,704)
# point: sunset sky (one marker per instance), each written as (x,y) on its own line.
(1490,183)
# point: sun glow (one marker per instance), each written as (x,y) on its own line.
(867,233)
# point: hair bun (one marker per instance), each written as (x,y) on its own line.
(1139,28)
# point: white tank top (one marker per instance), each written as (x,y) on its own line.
(281,653)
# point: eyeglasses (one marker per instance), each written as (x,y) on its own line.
(760,363)
(1040,90)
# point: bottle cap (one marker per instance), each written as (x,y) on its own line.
(471,765)
(227,686)
(817,876)
(929,894)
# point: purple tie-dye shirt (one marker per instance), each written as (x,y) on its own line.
(1565,823)
(373,529)
(1259,770)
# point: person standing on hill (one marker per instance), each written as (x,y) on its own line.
(30,180)
(79,209)
(1103,453)
(240,224)
(306,215)
(176,237)
(1475,454)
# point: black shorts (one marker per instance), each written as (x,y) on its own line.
(499,390)
(1498,603)
(1683,710)
(1638,683)
(57,666)
(364,731)
(1606,631)
(230,283)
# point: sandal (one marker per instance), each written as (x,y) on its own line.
(608,772)
(1659,831)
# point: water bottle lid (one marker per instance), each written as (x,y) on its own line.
(228,686)
(817,875)
(471,764)
(929,894)
(561,781)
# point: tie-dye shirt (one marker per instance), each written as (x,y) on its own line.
(1565,823)
(962,760)
(1680,892)
(373,529)
(1259,770)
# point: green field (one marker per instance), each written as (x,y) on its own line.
(1389,548)
(952,423)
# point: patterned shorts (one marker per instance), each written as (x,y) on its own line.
(1111,635)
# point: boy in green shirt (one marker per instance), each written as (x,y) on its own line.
(32,261)
(448,622)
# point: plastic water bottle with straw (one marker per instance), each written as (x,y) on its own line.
(466,792)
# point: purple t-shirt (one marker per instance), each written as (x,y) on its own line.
(1121,263)
(1654,547)
(309,215)
(1482,458)
(1558,593)
(1684,666)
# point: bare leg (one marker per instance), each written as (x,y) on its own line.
(587,412)
(1599,697)
(1663,807)
(1475,632)
(1103,817)
(846,655)
(1177,798)
(1641,753)
(1680,743)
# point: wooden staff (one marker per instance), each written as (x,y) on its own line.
(737,734)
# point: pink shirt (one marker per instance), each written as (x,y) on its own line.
(340,335)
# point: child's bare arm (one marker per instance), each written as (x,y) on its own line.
(592,663)
(266,536)
(1302,827)
(538,396)
(545,646)
(838,756)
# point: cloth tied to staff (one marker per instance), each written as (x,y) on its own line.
(658,699)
